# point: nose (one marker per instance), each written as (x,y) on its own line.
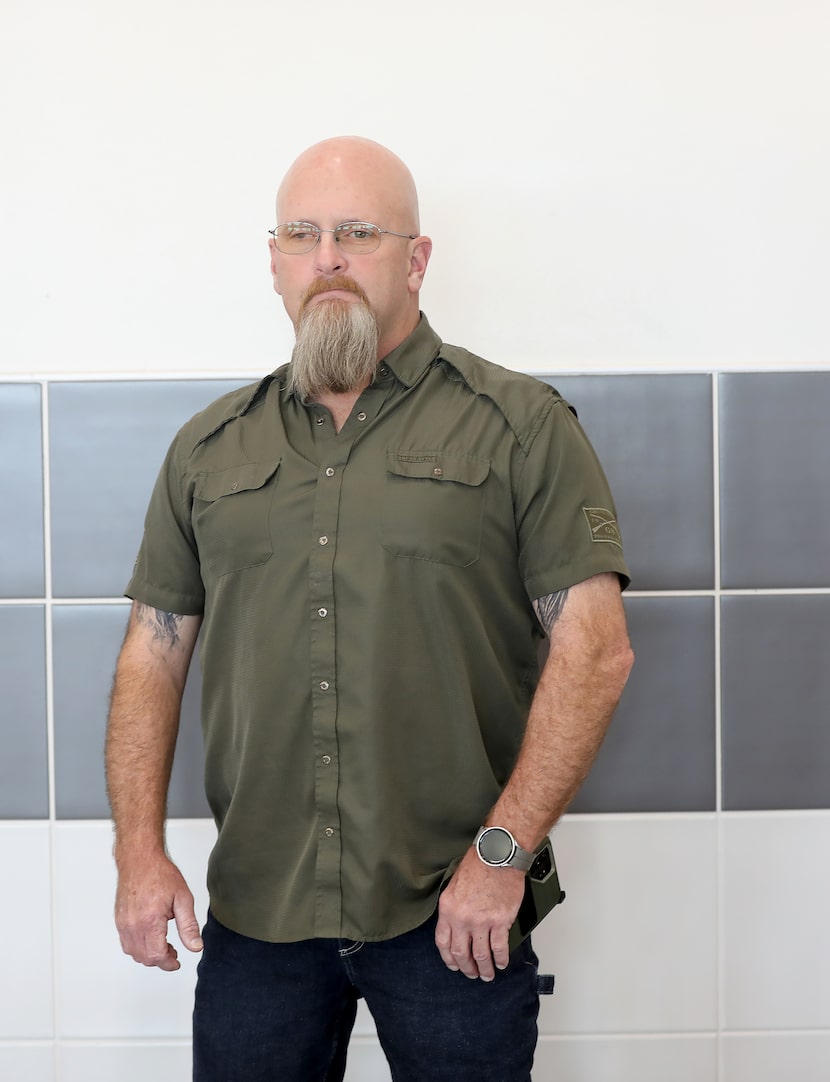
(329,257)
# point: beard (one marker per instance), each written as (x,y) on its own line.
(336,348)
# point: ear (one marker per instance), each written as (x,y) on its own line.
(418,259)
(272,247)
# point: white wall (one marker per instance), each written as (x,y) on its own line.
(658,171)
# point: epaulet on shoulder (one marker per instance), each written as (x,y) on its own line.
(523,400)
(227,407)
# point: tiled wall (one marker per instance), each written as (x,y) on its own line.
(694,942)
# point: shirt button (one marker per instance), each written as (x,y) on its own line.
(329,472)
(323,540)
(438,471)
(326,760)
(324,685)
(320,420)
(329,832)
(322,612)
(361,416)
(384,371)
(234,486)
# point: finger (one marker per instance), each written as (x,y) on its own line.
(186,923)
(443,938)
(499,942)
(158,952)
(169,961)
(462,955)
(483,958)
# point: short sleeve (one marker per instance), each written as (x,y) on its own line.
(566,519)
(166,573)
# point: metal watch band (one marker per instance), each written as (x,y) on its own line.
(516,856)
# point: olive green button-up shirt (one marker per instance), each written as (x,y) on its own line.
(368,647)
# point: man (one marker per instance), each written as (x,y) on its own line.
(372,540)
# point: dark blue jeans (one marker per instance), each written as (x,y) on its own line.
(283,1012)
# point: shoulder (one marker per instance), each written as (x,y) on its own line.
(524,401)
(211,420)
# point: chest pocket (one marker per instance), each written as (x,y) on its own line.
(434,505)
(231,517)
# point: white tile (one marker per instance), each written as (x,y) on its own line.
(624,1059)
(101,993)
(124,1062)
(25,917)
(633,946)
(776,933)
(790,1057)
(27,1063)
(364,1024)
(366,1062)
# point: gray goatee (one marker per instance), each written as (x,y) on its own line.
(336,348)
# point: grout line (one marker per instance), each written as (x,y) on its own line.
(716,519)
(167,376)
(720,973)
(593,1036)
(806,591)
(695,1034)
(761,815)
(50,713)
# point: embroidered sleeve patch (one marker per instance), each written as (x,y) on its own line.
(603,525)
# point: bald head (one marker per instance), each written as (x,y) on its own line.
(345,166)
(350,179)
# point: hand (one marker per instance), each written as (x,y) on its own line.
(150,894)
(475,913)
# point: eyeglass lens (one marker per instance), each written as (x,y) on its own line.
(354,237)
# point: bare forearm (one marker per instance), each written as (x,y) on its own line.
(141,740)
(583,678)
(143,724)
(570,715)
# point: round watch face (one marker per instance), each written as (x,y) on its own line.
(496,845)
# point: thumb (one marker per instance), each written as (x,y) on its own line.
(186,923)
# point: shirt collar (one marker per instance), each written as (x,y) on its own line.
(406,362)
(409,360)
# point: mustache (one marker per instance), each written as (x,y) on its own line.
(339,281)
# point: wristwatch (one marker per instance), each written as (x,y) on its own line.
(497,847)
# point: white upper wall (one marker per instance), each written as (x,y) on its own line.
(610,185)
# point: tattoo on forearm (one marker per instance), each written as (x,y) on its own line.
(165,625)
(549,609)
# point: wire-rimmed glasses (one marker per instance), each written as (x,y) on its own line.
(356,238)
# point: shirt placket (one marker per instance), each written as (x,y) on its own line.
(324,682)
(332,453)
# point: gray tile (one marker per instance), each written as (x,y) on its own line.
(107,443)
(21,482)
(24,782)
(86,641)
(776,691)
(653,434)
(775,479)
(659,754)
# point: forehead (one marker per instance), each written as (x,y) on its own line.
(329,191)
(328,207)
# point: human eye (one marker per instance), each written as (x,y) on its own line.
(300,231)
(297,236)
(357,232)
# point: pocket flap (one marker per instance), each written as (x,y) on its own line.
(438,466)
(244,478)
